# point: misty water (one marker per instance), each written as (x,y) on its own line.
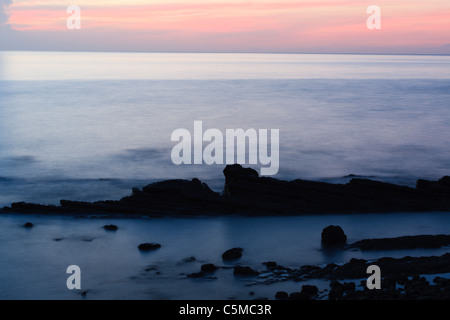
(90,126)
(34,261)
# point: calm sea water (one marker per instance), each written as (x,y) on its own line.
(89,126)
(33,265)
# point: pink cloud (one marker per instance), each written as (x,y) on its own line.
(270,25)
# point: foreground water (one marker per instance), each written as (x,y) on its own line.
(34,261)
(90,126)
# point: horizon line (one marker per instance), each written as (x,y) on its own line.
(227,52)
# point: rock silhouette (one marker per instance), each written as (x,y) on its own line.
(402,243)
(149,246)
(232,254)
(246,193)
(110,227)
(333,235)
(244,271)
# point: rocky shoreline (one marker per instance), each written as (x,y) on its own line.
(401,278)
(245,193)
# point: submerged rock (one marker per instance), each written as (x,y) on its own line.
(110,227)
(209,267)
(189,259)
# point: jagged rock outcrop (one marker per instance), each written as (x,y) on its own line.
(246,193)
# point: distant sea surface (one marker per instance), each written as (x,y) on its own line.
(90,126)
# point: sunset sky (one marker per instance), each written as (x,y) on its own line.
(227,26)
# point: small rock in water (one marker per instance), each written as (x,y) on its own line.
(110,227)
(333,235)
(232,254)
(190,259)
(28,225)
(245,271)
(149,246)
(84,293)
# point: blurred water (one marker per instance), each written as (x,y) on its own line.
(89,126)
(33,265)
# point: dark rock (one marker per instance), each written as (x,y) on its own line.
(406,242)
(349,286)
(28,225)
(232,254)
(31,208)
(333,235)
(309,290)
(236,170)
(281,295)
(337,290)
(195,275)
(442,281)
(308,268)
(442,186)
(270,264)
(209,267)
(206,269)
(246,193)
(110,227)
(391,267)
(244,271)
(149,246)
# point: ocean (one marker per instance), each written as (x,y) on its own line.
(91,126)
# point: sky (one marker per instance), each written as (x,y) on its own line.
(288,26)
